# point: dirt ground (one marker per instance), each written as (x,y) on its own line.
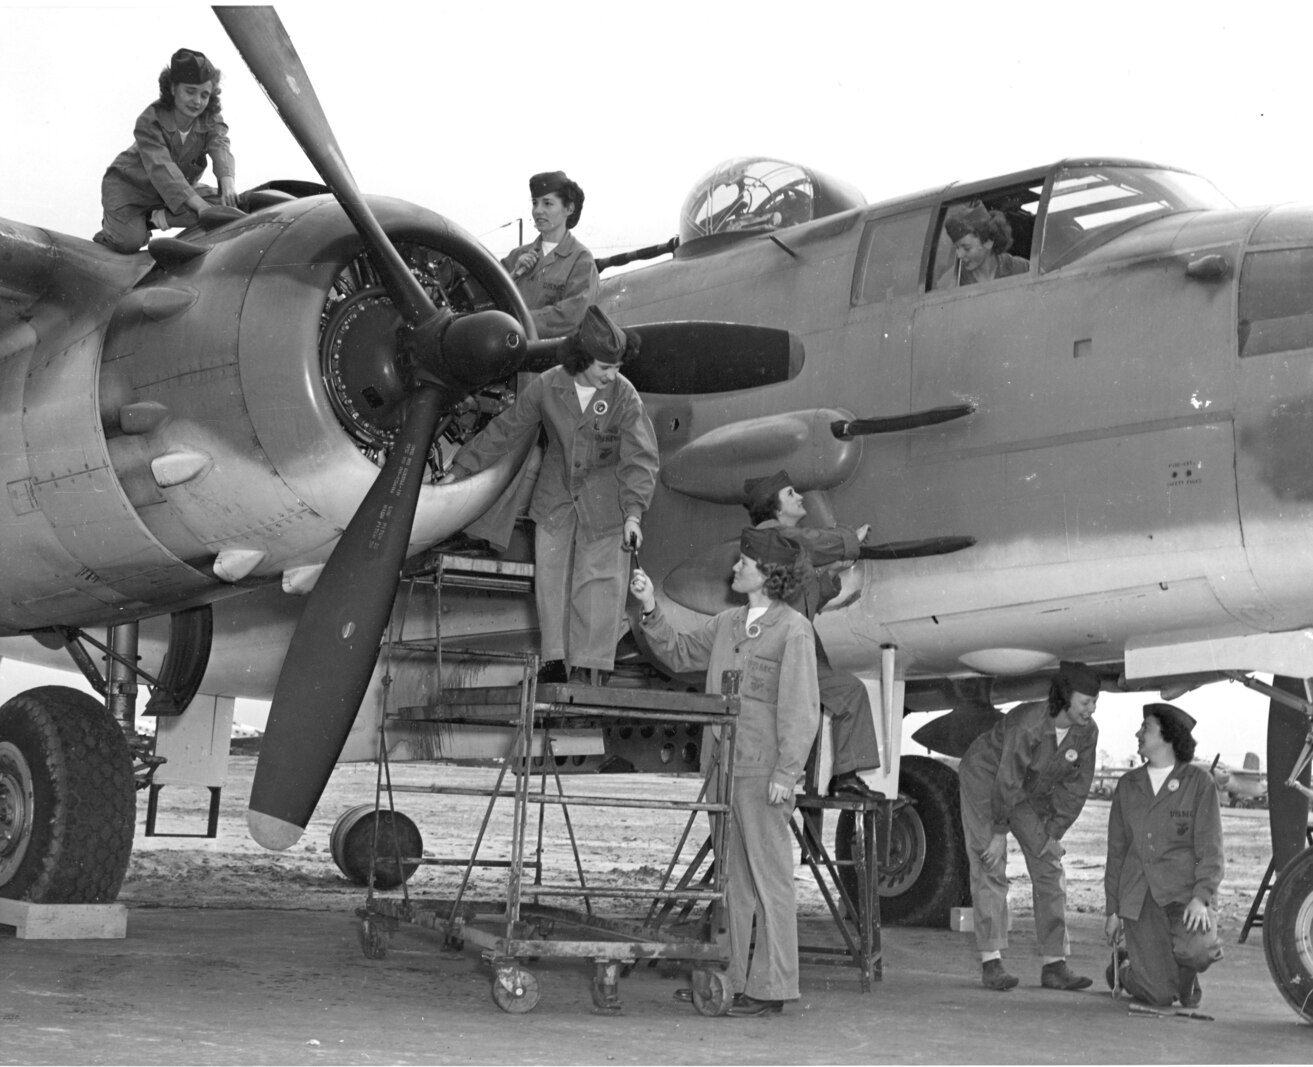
(237,955)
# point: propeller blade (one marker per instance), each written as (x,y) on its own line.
(336,642)
(261,40)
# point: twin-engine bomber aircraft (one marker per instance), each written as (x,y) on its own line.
(241,431)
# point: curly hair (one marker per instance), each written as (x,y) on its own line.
(759,513)
(166,95)
(1060,693)
(575,359)
(985,224)
(1176,734)
(782,579)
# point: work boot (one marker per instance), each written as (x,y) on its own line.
(746,1006)
(1058,975)
(850,785)
(992,976)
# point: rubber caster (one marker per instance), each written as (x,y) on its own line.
(515,990)
(605,988)
(374,939)
(711,993)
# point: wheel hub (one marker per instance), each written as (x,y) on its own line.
(16,805)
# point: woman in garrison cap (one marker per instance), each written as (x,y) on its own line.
(150,185)
(1029,776)
(597,479)
(981,239)
(1164,865)
(773,646)
(554,272)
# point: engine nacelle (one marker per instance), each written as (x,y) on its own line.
(220,422)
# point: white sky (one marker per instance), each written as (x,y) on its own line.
(454,105)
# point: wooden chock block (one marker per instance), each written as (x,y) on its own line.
(64,921)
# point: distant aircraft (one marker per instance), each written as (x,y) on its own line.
(236,437)
(1243,787)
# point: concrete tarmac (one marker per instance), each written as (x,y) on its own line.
(209,986)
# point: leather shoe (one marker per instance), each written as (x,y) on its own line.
(744,1005)
(993,976)
(1058,975)
(850,785)
(685,994)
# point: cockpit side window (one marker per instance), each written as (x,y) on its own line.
(1019,207)
(889,257)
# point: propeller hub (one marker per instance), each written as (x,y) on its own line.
(477,349)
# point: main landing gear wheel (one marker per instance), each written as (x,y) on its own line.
(926,873)
(711,995)
(68,799)
(1288,934)
(514,989)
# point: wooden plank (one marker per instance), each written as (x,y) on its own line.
(64,921)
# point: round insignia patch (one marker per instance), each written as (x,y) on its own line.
(1173,785)
(1070,755)
(600,407)
(754,629)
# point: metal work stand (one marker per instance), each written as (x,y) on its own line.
(1255,916)
(861,935)
(520,928)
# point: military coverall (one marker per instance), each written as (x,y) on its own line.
(557,290)
(1016,777)
(600,467)
(159,170)
(1163,850)
(778,717)
(559,287)
(842,694)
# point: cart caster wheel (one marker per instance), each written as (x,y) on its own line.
(373,939)
(605,988)
(515,990)
(711,995)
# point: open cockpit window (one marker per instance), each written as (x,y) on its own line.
(1091,205)
(991,234)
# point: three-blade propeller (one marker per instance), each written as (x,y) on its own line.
(336,645)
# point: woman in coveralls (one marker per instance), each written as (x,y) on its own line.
(150,184)
(557,277)
(1164,865)
(554,272)
(775,649)
(1029,775)
(597,479)
(774,503)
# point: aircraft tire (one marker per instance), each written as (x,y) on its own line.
(1288,934)
(927,873)
(67,799)
(352,842)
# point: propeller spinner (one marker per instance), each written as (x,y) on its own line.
(336,643)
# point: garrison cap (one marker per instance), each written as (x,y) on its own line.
(190,67)
(962,220)
(1079,677)
(555,181)
(1170,713)
(761,492)
(600,338)
(768,546)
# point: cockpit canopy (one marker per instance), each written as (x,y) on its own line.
(753,194)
